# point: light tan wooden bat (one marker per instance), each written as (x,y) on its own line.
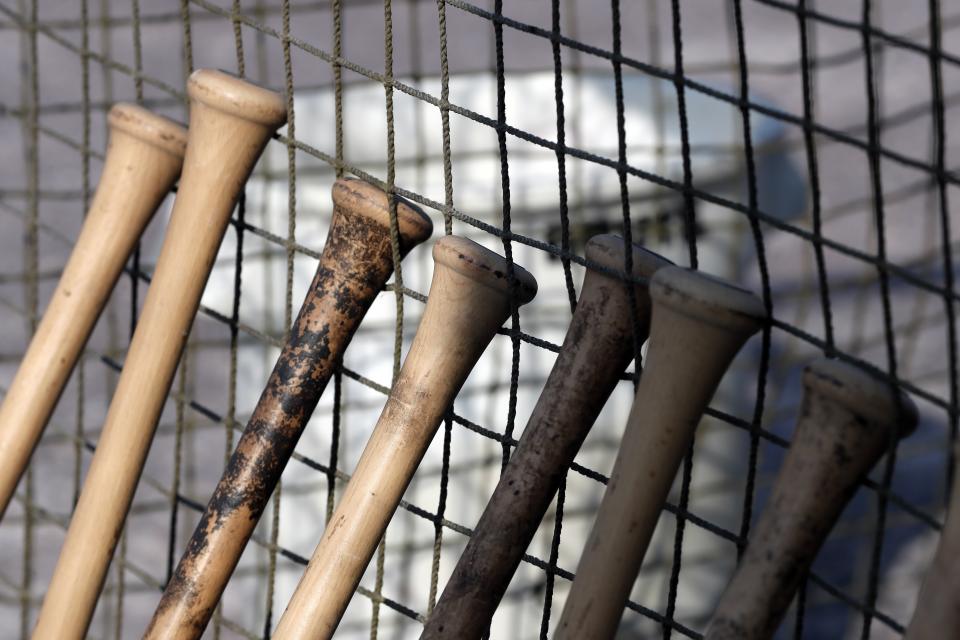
(143,160)
(612,317)
(230,123)
(937,613)
(699,324)
(847,421)
(470,298)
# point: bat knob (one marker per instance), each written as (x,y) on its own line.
(707,299)
(148,127)
(363,199)
(237,97)
(609,251)
(864,395)
(483,266)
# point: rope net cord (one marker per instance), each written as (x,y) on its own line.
(798,148)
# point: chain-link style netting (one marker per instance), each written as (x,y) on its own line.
(799,148)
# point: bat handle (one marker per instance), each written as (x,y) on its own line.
(699,324)
(143,160)
(848,419)
(471,296)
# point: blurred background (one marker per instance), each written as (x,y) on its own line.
(798,148)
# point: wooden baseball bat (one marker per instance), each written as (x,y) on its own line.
(470,298)
(230,123)
(143,160)
(597,348)
(847,421)
(938,605)
(699,325)
(354,266)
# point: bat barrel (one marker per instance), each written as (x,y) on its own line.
(143,160)
(355,264)
(597,348)
(847,421)
(699,324)
(471,296)
(230,123)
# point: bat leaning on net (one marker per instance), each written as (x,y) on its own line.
(230,123)
(938,605)
(355,265)
(597,348)
(471,296)
(143,160)
(847,421)
(699,325)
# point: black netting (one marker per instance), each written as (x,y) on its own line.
(798,148)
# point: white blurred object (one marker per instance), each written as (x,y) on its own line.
(591,126)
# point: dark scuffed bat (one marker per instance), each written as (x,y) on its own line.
(356,263)
(847,422)
(597,348)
